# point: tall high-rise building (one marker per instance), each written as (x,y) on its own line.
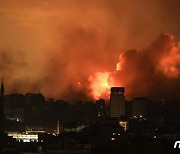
(117,102)
(2,108)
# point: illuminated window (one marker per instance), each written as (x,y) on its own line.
(113,139)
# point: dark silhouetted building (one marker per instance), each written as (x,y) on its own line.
(128,108)
(139,106)
(2,109)
(117,102)
(101,109)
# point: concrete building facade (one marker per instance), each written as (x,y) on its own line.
(117,102)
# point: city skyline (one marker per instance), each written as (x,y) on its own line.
(90,76)
(32,123)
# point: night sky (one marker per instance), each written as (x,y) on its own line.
(78,49)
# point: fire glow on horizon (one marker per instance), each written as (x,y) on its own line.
(77,50)
(131,64)
(100,84)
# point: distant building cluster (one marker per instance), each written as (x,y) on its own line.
(30,123)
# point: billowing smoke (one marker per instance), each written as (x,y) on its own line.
(16,72)
(11,67)
(69,50)
(153,72)
(67,71)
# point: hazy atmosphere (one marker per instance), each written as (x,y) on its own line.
(78,49)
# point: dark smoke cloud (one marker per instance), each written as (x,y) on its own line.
(142,72)
(83,52)
(16,72)
(64,43)
(11,64)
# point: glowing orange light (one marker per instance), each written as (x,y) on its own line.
(169,64)
(78,85)
(100,84)
(118,67)
(120,63)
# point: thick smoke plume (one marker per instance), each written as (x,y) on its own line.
(16,72)
(153,72)
(69,49)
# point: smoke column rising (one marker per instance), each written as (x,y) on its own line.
(153,72)
(68,47)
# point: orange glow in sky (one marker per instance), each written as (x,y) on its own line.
(69,49)
(169,64)
(100,83)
